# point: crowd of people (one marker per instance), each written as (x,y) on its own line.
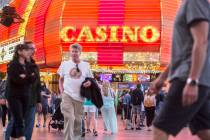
(140,106)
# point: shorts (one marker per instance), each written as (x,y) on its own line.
(136,109)
(89,108)
(173,116)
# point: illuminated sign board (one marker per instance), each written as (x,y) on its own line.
(7,49)
(112,34)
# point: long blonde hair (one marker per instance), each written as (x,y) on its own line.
(105,88)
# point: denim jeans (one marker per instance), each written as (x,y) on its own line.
(83,125)
(29,124)
(9,129)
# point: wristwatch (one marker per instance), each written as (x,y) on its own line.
(192,82)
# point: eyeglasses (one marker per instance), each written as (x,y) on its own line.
(32,48)
(77,67)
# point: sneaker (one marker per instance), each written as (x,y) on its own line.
(95,133)
(37,125)
(138,128)
(149,129)
(88,131)
(83,134)
(44,125)
(141,125)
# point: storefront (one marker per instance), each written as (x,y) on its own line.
(124,37)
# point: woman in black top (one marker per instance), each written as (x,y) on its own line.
(20,79)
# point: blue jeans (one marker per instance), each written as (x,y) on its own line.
(29,124)
(9,129)
(83,124)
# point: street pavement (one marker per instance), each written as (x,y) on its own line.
(44,134)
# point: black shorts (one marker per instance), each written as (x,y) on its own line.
(173,116)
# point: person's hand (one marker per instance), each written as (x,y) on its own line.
(190,95)
(39,107)
(87,84)
(22,75)
(156,85)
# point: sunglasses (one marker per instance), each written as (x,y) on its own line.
(77,67)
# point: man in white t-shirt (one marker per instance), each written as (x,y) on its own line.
(72,75)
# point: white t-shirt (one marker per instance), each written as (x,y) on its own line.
(72,78)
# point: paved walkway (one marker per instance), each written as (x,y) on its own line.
(43,134)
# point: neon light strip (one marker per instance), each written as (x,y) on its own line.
(21,31)
(105,55)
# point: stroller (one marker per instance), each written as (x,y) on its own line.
(57,121)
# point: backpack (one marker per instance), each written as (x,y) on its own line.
(136,97)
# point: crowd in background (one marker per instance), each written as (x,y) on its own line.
(137,105)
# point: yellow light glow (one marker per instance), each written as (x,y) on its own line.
(85,32)
(21,31)
(101,32)
(113,34)
(64,33)
(128,34)
(155,34)
(133,36)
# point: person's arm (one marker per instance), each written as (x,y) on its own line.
(38,90)
(157,84)
(38,87)
(199,53)
(61,80)
(200,33)
(162,77)
(197,18)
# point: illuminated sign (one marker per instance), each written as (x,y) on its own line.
(112,34)
(26,15)
(7,49)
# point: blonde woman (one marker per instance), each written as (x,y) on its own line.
(108,109)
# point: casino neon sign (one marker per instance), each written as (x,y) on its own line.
(112,34)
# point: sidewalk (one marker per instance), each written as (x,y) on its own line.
(43,134)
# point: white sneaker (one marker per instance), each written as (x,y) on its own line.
(149,129)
